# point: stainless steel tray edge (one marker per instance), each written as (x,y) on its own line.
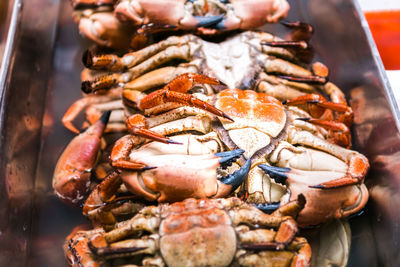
(25,72)
(30,224)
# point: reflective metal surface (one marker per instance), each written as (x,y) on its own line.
(43,80)
(6,10)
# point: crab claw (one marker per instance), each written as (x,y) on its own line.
(197,176)
(228,157)
(330,202)
(276,173)
(71,177)
(208,21)
(253,14)
(236,179)
(106,30)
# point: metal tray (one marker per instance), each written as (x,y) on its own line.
(40,78)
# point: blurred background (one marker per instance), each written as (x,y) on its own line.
(383,17)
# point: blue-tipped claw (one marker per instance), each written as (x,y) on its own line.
(268,207)
(170,141)
(208,21)
(220,25)
(237,178)
(276,173)
(105,117)
(228,157)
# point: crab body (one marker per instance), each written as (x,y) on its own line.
(198,232)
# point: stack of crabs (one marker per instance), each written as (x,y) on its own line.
(236,133)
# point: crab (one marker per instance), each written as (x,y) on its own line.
(251,55)
(212,14)
(158,145)
(107,27)
(196,232)
(266,131)
(235,61)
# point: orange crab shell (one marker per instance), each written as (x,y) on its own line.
(195,222)
(258,110)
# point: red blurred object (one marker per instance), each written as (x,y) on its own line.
(385,27)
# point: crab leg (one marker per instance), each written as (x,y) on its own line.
(323,109)
(173,52)
(82,103)
(114,63)
(125,248)
(76,248)
(340,132)
(287,227)
(175,92)
(329,125)
(159,77)
(139,223)
(172,93)
(120,153)
(137,125)
(319,101)
(305,79)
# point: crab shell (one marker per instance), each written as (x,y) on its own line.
(208,229)
(256,115)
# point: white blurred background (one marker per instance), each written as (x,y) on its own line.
(393,5)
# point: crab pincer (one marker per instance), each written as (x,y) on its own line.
(326,197)
(71,179)
(169,178)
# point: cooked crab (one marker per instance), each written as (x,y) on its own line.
(236,61)
(99,22)
(196,232)
(194,14)
(259,124)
